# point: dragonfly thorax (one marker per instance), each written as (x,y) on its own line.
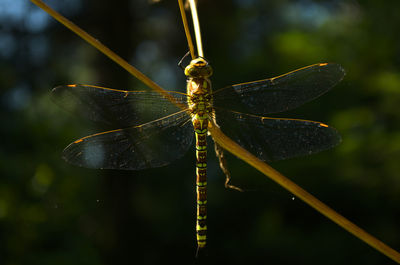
(199,90)
(199,96)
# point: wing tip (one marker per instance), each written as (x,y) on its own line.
(338,67)
(60,88)
(334,135)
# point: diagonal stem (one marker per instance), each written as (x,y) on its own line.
(98,45)
(226,143)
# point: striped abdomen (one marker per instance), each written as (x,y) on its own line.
(200,128)
(200,104)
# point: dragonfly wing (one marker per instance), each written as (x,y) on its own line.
(116,108)
(272,139)
(152,144)
(280,93)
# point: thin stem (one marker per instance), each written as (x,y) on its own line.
(187,31)
(196,26)
(229,145)
(98,45)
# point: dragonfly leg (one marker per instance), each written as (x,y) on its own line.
(224,166)
(181,61)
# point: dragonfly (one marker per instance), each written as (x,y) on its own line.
(151,129)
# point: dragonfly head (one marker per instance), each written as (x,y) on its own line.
(198,68)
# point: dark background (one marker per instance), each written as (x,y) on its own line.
(55,213)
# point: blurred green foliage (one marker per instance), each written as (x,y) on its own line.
(54,213)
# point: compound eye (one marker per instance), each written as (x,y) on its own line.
(190,71)
(193,72)
(208,71)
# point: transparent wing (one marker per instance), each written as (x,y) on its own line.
(152,144)
(276,139)
(116,108)
(280,93)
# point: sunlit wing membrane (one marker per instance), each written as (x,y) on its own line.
(276,139)
(280,93)
(152,144)
(116,108)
